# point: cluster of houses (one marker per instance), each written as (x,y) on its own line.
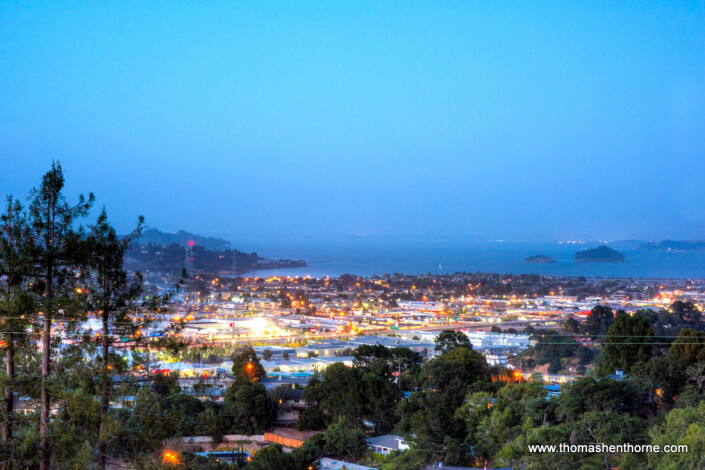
(295,366)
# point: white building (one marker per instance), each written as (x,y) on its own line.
(482,340)
(497,359)
(387,444)
(333,464)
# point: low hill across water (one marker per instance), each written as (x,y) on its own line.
(158,251)
(675,245)
(182,238)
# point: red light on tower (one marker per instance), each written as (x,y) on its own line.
(190,243)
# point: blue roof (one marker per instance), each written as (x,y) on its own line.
(294,393)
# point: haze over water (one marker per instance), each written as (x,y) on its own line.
(367,259)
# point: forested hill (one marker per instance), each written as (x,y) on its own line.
(182,238)
(157,251)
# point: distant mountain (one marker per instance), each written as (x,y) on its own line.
(627,244)
(674,245)
(182,238)
(601,254)
(539,259)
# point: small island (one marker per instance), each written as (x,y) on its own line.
(539,259)
(601,254)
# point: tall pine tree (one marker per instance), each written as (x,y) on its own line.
(17,306)
(115,299)
(58,258)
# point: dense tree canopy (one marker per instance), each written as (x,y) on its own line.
(587,394)
(686,312)
(448,340)
(252,408)
(682,426)
(629,340)
(246,365)
(598,321)
(689,347)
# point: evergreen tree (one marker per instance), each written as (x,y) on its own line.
(115,299)
(246,365)
(688,348)
(343,442)
(687,313)
(250,405)
(58,259)
(448,340)
(599,321)
(629,340)
(17,304)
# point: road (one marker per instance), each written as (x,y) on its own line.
(455,326)
(226,340)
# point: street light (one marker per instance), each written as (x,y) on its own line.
(249,371)
(170,457)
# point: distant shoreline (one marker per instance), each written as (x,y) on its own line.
(490,258)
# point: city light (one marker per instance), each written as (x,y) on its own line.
(171,458)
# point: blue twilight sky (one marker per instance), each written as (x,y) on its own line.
(465,120)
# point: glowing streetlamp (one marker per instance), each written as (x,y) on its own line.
(249,371)
(170,457)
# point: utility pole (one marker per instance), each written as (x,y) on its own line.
(399,376)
